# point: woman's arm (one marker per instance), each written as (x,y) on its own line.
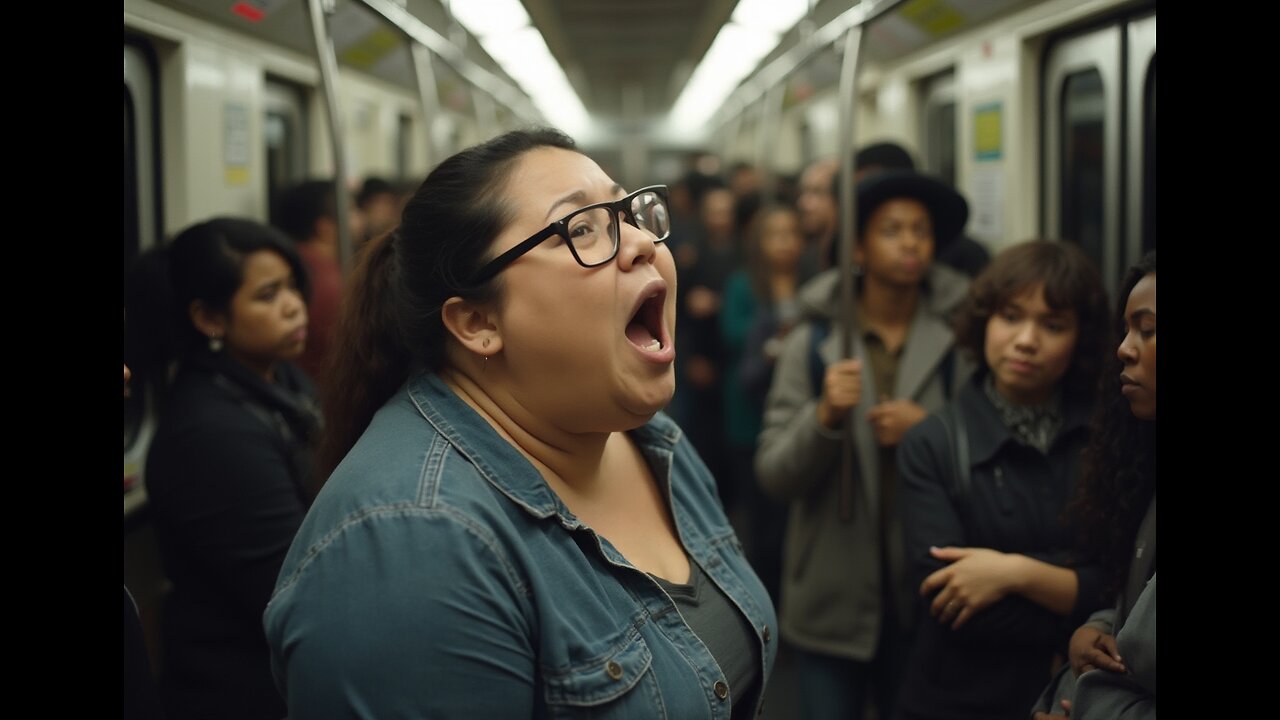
(404,612)
(978,592)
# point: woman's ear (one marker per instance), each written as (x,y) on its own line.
(472,325)
(210,324)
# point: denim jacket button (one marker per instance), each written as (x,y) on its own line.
(766,633)
(722,690)
(613,669)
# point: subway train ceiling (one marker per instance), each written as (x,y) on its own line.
(627,60)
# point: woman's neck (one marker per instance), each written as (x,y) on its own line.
(565,459)
(266,371)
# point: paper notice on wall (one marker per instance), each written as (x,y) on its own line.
(986,219)
(235,143)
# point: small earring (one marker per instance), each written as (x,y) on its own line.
(215,343)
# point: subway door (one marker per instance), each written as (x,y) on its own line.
(938,129)
(1141,140)
(1083,87)
(285,136)
(141,232)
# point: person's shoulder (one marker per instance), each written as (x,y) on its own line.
(946,287)
(200,408)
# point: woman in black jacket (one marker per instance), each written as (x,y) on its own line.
(984,484)
(229,470)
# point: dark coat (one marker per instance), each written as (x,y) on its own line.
(996,664)
(226,481)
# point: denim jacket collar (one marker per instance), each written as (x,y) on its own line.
(497,461)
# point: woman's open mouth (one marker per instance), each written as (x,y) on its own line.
(646,329)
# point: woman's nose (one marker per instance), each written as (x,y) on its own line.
(635,246)
(1127,352)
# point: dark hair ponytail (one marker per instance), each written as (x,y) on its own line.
(390,324)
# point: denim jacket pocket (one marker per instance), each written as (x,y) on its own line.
(616,683)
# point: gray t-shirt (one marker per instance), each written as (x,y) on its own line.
(726,633)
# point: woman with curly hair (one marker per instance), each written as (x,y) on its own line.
(984,484)
(1116,503)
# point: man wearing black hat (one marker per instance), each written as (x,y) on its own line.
(846,606)
(962,252)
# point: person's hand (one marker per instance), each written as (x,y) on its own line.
(841,390)
(976,579)
(1066,712)
(1090,648)
(891,419)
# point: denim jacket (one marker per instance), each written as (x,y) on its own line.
(437,575)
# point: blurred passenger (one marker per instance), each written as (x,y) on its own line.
(702,295)
(962,253)
(818,212)
(744,179)
(685,239)
(229,467)
(846,604)
(984,525)
(760,308)
(513,529)
(307,213)
(1117,503)
(379,203)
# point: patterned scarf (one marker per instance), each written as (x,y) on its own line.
(1031,425)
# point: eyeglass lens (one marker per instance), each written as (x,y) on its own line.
(594,233)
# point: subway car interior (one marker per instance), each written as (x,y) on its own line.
(1040,113)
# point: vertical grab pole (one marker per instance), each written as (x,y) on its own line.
(848,210)
(429,96)
(320,10)
(771,116)
(732,134)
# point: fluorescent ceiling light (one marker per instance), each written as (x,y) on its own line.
(732,56)
(485,17)
(774,15)
(504,30)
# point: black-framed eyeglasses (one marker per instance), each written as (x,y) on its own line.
(592,232)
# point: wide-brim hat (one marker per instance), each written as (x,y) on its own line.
(947,208)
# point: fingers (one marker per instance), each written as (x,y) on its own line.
(962,617)
(937,579)
(1107,643)
(843,384)
(951,612)
(949,554)
(1099,658)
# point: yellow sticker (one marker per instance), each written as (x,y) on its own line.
(935,17)
(987,140)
